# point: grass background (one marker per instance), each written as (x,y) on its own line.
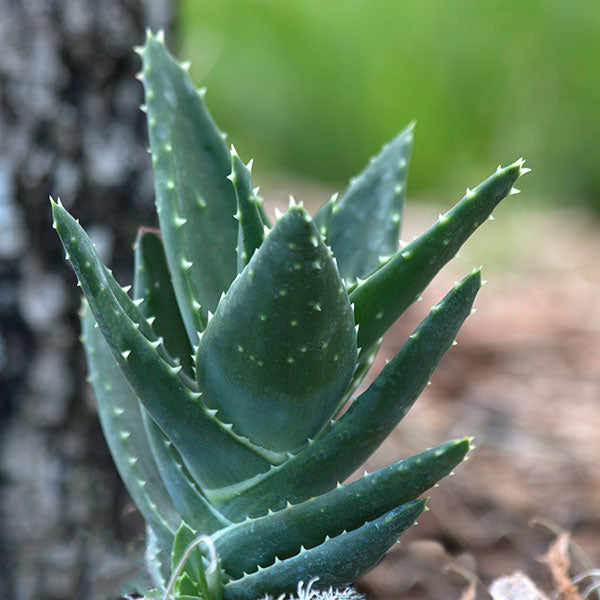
(313,88)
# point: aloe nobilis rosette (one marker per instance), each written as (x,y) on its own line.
(220,380)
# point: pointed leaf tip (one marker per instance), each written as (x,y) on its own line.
(188,138)
(365,222)
(380,300)
(280,290)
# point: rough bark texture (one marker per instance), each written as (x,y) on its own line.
(69,126)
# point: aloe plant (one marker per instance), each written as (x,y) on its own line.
(221,382)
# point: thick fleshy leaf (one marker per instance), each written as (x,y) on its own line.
(152,285)
(322,218)
(156,559)
(261,209)
(364,363)
(194,199)
(152,282)
(257,542)
(120,417)
(213,454)
(281,348)
(190,503)
(350,440)
(392,288)
(365,221)
(336,562)
(250,226)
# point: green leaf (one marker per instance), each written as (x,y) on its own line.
(337,561)
(198,581)
(250,226)
(186,588)
(391,289)
(152,282)
(120,417)
(156,559)
(322,218)
(193,566)
(195,200)
(350,440)
(363,365)
(261,209)
(365,221)
(214,455)
(281,348)
(190,503)
(280,534)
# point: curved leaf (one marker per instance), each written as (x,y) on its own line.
(365,221)
(254,542)
(152,282)
(156,559)
(193,507)
(281,348)
(214,455)
(250,229)
(120,417)
(194,199)
(392,288)
(350,440)
(336,562)
(322,218)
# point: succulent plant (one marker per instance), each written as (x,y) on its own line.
(221,384)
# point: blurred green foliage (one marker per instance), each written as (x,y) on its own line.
(315,86)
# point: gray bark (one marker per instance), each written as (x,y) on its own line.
(70,127)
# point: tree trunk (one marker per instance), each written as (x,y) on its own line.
(69,126)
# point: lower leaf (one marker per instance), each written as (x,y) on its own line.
(337,561)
